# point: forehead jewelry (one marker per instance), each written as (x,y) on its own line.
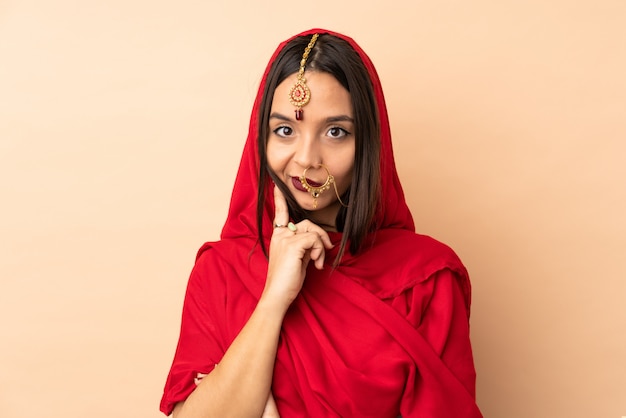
(316,191)
(299,95)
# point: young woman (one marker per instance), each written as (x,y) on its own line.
(320,300)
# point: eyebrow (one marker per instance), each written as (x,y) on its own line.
(339,118)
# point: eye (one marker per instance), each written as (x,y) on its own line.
(283,131)
(337,132)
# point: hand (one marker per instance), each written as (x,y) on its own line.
(291,252)
(270,411)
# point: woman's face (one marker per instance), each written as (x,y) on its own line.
(325,135)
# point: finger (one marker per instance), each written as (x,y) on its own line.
(281,211)
(319,263)
(305,260)
(309,226)
(318,254)
(199,377)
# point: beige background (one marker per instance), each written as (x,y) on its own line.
(121,127)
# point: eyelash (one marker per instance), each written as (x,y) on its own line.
(344,133)
(279,131)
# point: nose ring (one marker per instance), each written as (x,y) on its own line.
(316,191)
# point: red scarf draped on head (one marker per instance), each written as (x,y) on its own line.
(242,215)
(384,333)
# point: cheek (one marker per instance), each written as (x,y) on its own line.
(343,175)
(345,169)
(346,179)
(276,158)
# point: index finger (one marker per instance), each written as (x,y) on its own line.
(281,212)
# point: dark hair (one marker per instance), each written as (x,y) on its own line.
(336,57)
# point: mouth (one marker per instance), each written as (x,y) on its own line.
(298,184)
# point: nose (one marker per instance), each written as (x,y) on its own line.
(308,152)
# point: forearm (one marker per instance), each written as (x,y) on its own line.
(240,385)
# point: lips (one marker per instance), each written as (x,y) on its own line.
(298,184)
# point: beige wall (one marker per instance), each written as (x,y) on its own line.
(121,125)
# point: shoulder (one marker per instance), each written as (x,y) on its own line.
(210,268)
(411,249)
(396,260)
(226,251)
(237,261)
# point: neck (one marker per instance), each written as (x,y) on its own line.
(327,228)
(326,218)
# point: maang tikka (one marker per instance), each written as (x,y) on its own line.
(299,95)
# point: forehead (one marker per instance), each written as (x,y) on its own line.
(328,96)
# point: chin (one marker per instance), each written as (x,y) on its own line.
(308,205)
(306,202)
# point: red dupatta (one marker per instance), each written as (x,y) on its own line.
(360,340)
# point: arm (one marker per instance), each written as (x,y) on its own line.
(240,386)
